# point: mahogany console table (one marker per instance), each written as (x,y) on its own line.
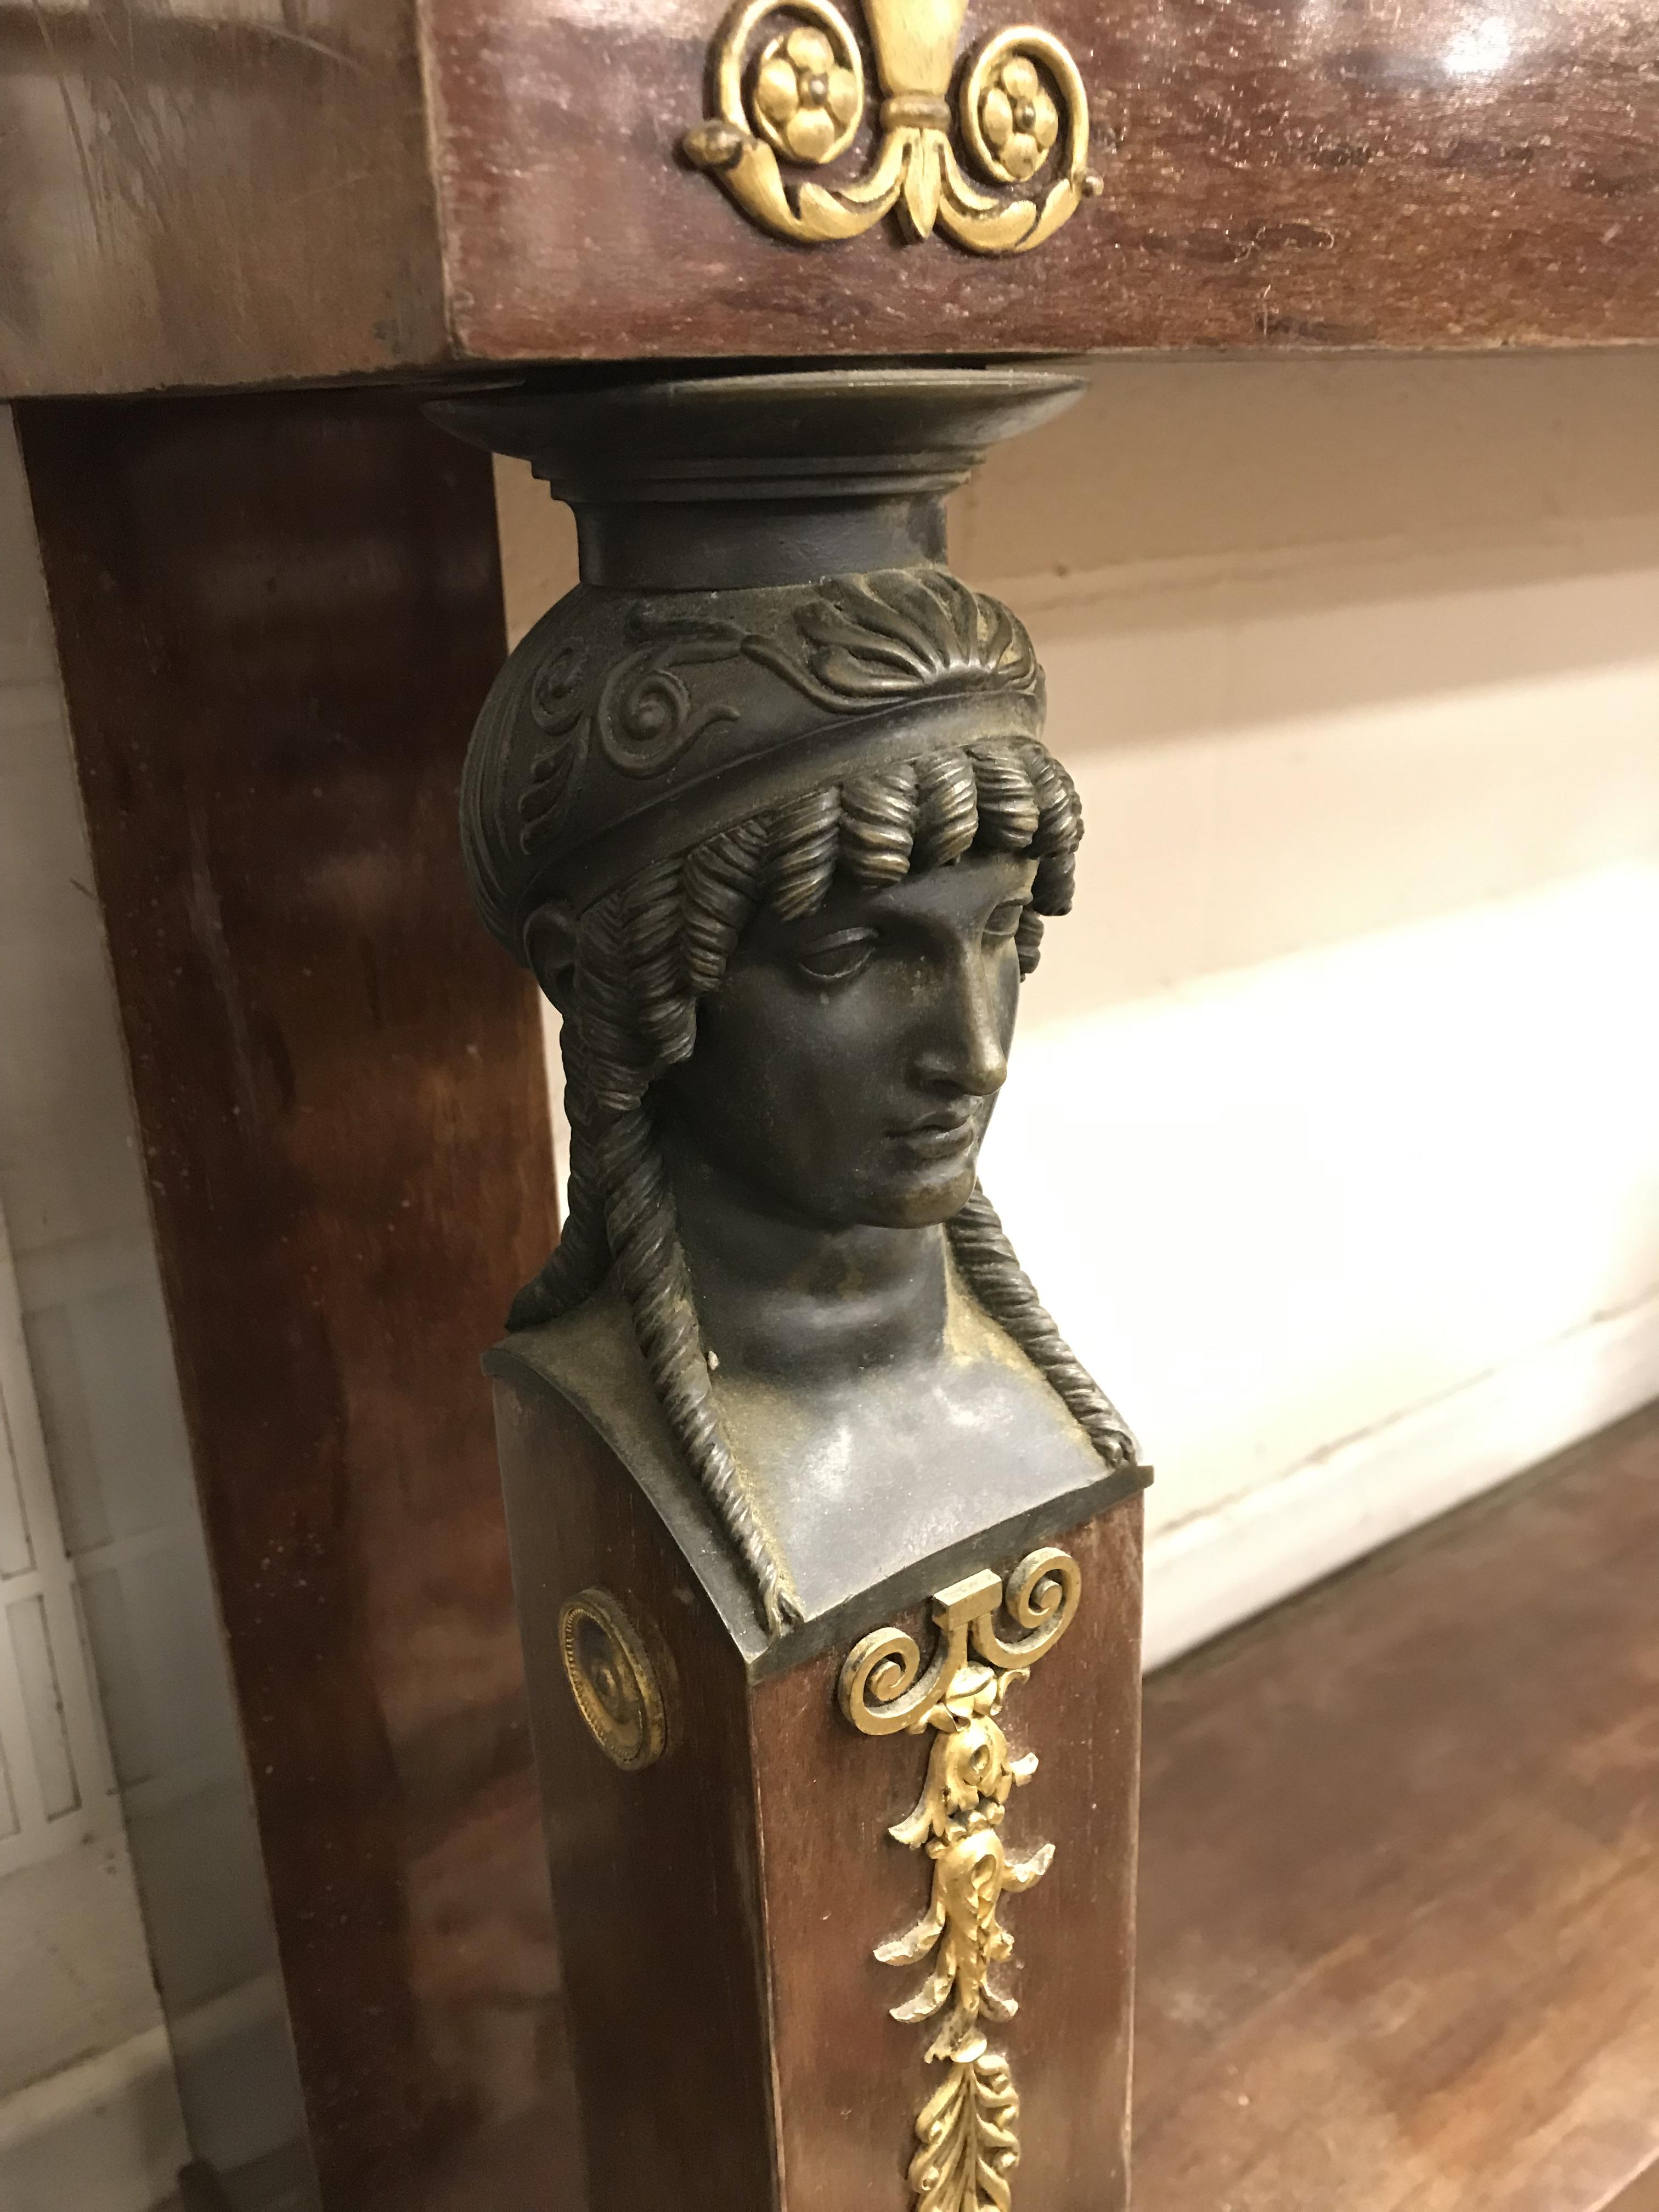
(239,249)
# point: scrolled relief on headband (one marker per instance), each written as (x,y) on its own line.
(616,708)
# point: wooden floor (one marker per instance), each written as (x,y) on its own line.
(1400,1874)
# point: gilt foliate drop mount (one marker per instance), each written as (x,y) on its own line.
(789,96)
(967,2130)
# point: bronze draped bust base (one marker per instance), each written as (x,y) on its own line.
(793,1454)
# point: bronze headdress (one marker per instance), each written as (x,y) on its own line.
(763,605)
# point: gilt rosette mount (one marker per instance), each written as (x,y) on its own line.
(768,703)
(790,97)
(967,2131)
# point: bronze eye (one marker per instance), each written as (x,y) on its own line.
(837,959)
(1004,920)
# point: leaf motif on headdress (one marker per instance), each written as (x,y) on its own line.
(904,635)
(557,707)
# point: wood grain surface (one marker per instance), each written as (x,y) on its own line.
(276,617)
(1399,1881)
(852,2079)
(656,1875)
(352,187)
(1399,1873)
(1340,173)
(718,1910)
(205,196)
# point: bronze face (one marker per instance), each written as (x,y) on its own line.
(846,1070)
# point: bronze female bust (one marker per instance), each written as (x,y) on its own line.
(781,854)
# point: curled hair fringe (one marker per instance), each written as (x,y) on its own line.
(721,889)
(878,826)
(804,844)
(1059,832)
(1008,812)
(947,809)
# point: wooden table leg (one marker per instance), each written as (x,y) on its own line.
(276,616)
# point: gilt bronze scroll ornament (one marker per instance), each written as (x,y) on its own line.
(967,2143)
(798,97)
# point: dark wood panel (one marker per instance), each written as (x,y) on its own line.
(1399,1873)
(200,201)
(1340,173)
(276,617)
(208,195)
(657,1877)
(838,1885)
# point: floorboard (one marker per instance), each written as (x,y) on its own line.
(1399,1873)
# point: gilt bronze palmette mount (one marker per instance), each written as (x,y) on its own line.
(789,89)
(967,2131)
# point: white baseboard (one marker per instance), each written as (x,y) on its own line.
(1220,1568)
(105,2135)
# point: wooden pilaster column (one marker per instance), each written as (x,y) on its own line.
(274,618)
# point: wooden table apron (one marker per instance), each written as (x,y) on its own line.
(217,200)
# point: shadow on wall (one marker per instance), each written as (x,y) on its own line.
(1490,458)
(1334,646)
(1333,1135)
(1226,545)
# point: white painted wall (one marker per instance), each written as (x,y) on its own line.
(1334,1135)
(89,2116)
(1332,1132)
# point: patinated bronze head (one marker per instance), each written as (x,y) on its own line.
(764,804)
